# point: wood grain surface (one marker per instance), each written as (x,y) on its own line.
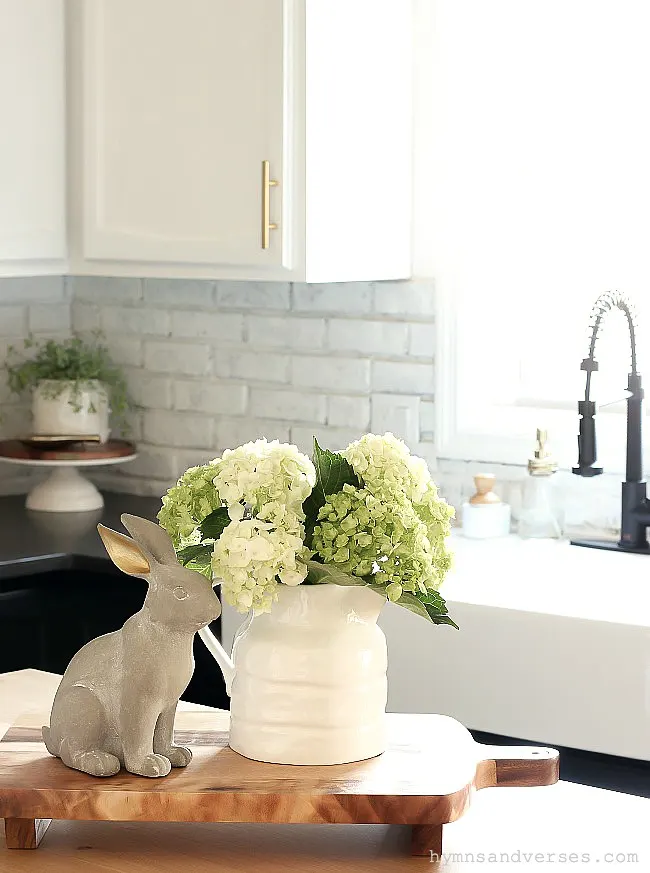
(427,776)
(25,833)
(519,823)
(72,452)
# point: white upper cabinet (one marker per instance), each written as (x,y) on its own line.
(177,106)
(32,143)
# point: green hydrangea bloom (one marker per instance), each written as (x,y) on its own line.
(437,514)
(185,505)
(384,540)
(387,468)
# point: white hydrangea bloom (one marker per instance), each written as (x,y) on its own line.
(250,556)
(273,478)
(387,468)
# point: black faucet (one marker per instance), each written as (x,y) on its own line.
(635,506)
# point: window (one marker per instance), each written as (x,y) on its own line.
(532,179)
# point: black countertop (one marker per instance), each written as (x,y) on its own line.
(40,542)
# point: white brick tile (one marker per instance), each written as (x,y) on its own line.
(179,292)
(253,295)
(13,320)
(6,396)
(16,420)
(333,438)
(15,343)
(292,405)
(402,378)
(153,463)
(187,359)
(351,412)
(149,390)
(216,325)
(125,352)
(352,297)
(396,414)
(233,432)
(134,428)
(330,373)
(256,366)
(405,298)
(106,290)
(286,332)
(427,420)
(85,316)
(186,458)
(422,340)
(222,363)
(427,450)
(181,429)
(128,320)
(17,480)
(49,317)
(29,288)
(217,398)
(120,481)
(369,337)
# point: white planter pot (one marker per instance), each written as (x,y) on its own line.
(309,684)
(56,415)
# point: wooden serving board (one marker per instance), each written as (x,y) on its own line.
(425,779)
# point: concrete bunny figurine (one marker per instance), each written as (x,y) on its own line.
(117,700)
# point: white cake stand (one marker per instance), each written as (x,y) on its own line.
(66,489)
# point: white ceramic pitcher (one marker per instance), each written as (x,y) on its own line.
(307,681)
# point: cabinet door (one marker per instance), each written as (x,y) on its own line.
(32,164)
(182,102)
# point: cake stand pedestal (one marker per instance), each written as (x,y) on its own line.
(66,489)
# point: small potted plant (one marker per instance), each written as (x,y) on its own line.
(74,383)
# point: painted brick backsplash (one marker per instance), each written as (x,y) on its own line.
(214,364)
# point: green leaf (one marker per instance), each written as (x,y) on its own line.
(322,574)
(327,574)
(332,473)
(430,606)
(214,524)
(199,555)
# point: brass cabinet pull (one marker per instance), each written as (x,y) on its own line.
(267,224)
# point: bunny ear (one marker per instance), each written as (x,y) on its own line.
(153,538)
(124,553)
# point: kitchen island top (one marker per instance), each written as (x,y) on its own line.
(558,826)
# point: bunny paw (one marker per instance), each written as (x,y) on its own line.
(152,765)
(179,756)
